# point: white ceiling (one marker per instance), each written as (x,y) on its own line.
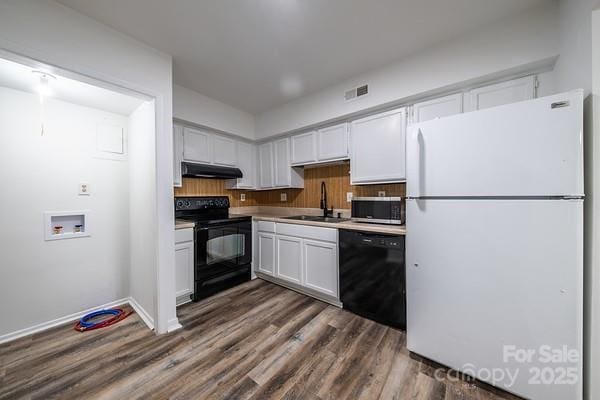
(257,54)
(21,77)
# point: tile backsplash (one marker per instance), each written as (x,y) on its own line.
(336,177)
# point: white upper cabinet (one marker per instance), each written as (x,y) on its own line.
(196,146)
(501,93)
(224,151)
(327,144)
(377,148)
(437,108)
(265,165)
(282,162)
(177,154)
(246,162)
(332,143)
(304,148)
(274,167)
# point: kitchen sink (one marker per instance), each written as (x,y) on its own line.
(316,218)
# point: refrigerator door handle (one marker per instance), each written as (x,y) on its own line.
(420,162)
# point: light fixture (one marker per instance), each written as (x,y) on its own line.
(43,88)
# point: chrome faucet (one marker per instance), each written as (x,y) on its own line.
(323,206)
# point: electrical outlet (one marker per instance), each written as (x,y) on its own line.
(243,197)
(349,197)
(84,189)
(283,196)
(381,193)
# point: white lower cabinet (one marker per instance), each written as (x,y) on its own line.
(304,256)
(320,266)
(184,264)
(289,259)
(266,253)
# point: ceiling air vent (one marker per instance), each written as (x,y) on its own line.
(357,92)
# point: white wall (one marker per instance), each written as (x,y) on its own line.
(142,204)
(592,276)
(574,69)
(574,66)
(45,280)
(57,35)
(194,107)
(503,46)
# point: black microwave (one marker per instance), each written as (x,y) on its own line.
(378,210)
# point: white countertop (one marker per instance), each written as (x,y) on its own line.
(351,225)
(182,224)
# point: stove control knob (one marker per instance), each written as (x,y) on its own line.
(179,203)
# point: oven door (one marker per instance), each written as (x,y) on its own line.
(222,248)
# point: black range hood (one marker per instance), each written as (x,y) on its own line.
(209,171)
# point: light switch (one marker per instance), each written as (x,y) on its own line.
(84,189)
(283,196)
(243,197)
(349,197)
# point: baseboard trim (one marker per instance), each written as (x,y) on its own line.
(181,300)
(148,320)
(300,289)
(173,325)
(58,321)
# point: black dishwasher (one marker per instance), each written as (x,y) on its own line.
(373,276)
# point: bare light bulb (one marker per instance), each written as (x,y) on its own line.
(43,88)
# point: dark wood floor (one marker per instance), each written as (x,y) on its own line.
(256,341)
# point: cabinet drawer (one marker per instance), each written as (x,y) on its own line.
(308,232)
(184,235)
(266,226)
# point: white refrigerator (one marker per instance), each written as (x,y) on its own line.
(494,245)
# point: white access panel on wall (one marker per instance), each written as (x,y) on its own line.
(111,141)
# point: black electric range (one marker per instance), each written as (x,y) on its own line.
(223,244)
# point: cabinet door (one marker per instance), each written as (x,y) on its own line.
(289,258)
(283,170)
(304,148)
(333,143)
(224,151)
(265,165)
(266,253)
(321,267)
(196,146)
(184,269)
(437,108)
(177,154)
(246,153)
(377,148)
(501,93)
